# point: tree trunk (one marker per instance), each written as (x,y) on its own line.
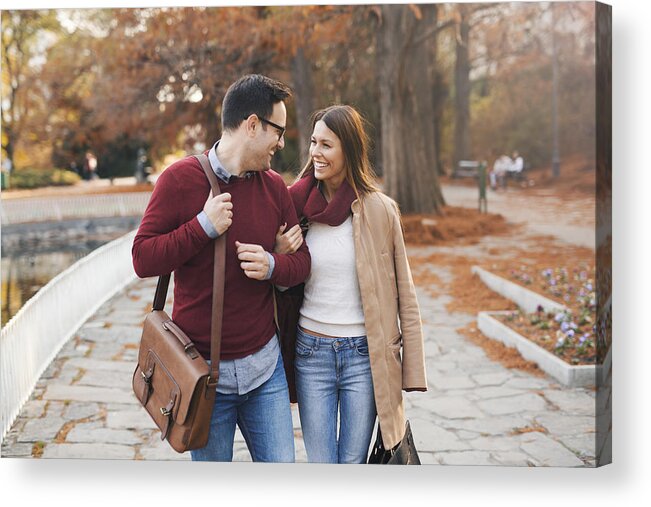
(462,89)
(212,121)
(303,100)
(407,112)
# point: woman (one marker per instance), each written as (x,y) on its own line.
(359,303)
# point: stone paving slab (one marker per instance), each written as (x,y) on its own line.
(476,412)
(101,378)
(89,451)
(84,393)
(547,451)
(82,434)
(94,365)
(134,419)
(513,404)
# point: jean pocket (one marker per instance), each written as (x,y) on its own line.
(303,349)
(362,347)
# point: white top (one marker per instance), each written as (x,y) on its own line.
(332,303)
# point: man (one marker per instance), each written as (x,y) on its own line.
(517,167)
(500,169)
(176,234)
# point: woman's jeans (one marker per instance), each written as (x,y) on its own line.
(333,377)
(263,415)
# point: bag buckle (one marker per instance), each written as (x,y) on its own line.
(167,410)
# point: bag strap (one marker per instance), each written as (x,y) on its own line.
(219,273)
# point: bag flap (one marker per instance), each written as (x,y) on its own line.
(190,375)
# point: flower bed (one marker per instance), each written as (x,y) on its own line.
(570,334)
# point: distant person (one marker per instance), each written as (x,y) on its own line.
(90,166)
(500,169)
(6,165)
(517,166)
(141,162)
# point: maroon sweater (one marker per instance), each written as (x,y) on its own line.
(170,238)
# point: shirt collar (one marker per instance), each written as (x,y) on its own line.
(220,171)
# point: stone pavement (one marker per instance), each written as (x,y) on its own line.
(476,412)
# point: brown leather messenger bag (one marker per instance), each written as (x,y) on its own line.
(174,384)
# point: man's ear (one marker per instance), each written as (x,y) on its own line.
(251,125)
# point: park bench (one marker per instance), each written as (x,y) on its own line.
(466,169)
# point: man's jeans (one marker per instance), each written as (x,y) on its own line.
(264,417)
(334,375)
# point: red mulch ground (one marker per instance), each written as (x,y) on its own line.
(463,225)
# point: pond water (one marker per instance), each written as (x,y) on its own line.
(33,254)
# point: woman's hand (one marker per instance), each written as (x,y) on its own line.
(290,241)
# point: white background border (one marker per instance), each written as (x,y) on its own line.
(626,482)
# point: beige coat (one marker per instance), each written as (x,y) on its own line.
(391,313)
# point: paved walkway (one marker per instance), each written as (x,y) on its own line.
(475,413)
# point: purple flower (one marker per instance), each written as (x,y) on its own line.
(558,317)
(588,286)
(570,333)
(539,308)
(560,342)
(564,326)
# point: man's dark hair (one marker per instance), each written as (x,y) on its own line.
(251,94)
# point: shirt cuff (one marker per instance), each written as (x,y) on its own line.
(272,265)
(207,225)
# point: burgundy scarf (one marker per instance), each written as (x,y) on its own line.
(311,204)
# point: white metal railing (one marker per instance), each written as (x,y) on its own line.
(33,337)
(16,211)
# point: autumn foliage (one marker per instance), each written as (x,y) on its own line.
(436,82)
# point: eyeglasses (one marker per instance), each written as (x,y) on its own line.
(280,129)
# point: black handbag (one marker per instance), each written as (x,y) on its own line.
(288,304)
(403,454)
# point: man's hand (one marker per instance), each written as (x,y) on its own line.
(253,260)
(219,211)
(290,241)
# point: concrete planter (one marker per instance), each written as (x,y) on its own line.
(566,374)
(526,299)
